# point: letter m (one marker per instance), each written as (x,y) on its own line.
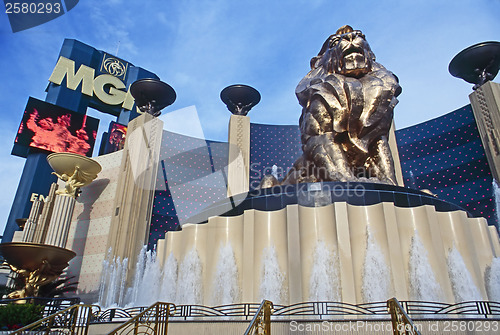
(66,68)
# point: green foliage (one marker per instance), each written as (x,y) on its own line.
(57,288)
(15,316)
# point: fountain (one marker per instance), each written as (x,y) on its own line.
(37,265)
(189,283)
(272,279)
(423,283)
(376,276)
(462,283)
(492,280)
(240,99)
(169,279)
(225,284)
(41,263)
(324,284)
(339,226)
(112,286)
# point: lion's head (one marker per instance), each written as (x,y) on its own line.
(346,52)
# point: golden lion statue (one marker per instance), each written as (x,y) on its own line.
(347,104)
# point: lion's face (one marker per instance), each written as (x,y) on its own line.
(351,54)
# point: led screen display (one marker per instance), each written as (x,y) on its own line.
(52,128)
(116,138)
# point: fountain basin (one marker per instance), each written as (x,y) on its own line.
(30,256)
(66,163)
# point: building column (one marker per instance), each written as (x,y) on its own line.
(485,103)
(129,230)
(32,222)
(44,218)
(60,221)
(393,145)
(238,170)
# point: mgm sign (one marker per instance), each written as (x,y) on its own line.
(83,77)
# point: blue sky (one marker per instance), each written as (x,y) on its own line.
(200,47)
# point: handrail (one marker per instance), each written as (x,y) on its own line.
(75,319)
(261,322)
(321,310)
(153,320)
(401,322)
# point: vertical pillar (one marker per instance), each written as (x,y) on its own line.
(32,222)
(135,191)
(238,172)
(60,221)
(345,253)
(247,285)
(485,103)
(295,286)
(396,255)
(44,219)
(393,145)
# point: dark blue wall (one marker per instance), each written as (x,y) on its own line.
(272,145)
(446,156)
(184,162)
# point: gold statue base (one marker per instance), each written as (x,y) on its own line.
(37,264)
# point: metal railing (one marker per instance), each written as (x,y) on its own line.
(261,322)
(73,320)
(321,310)
(326,309)
(401,322)
(153,320)
(243,311)
(483,309)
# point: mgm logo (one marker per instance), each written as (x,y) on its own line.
(114,66)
